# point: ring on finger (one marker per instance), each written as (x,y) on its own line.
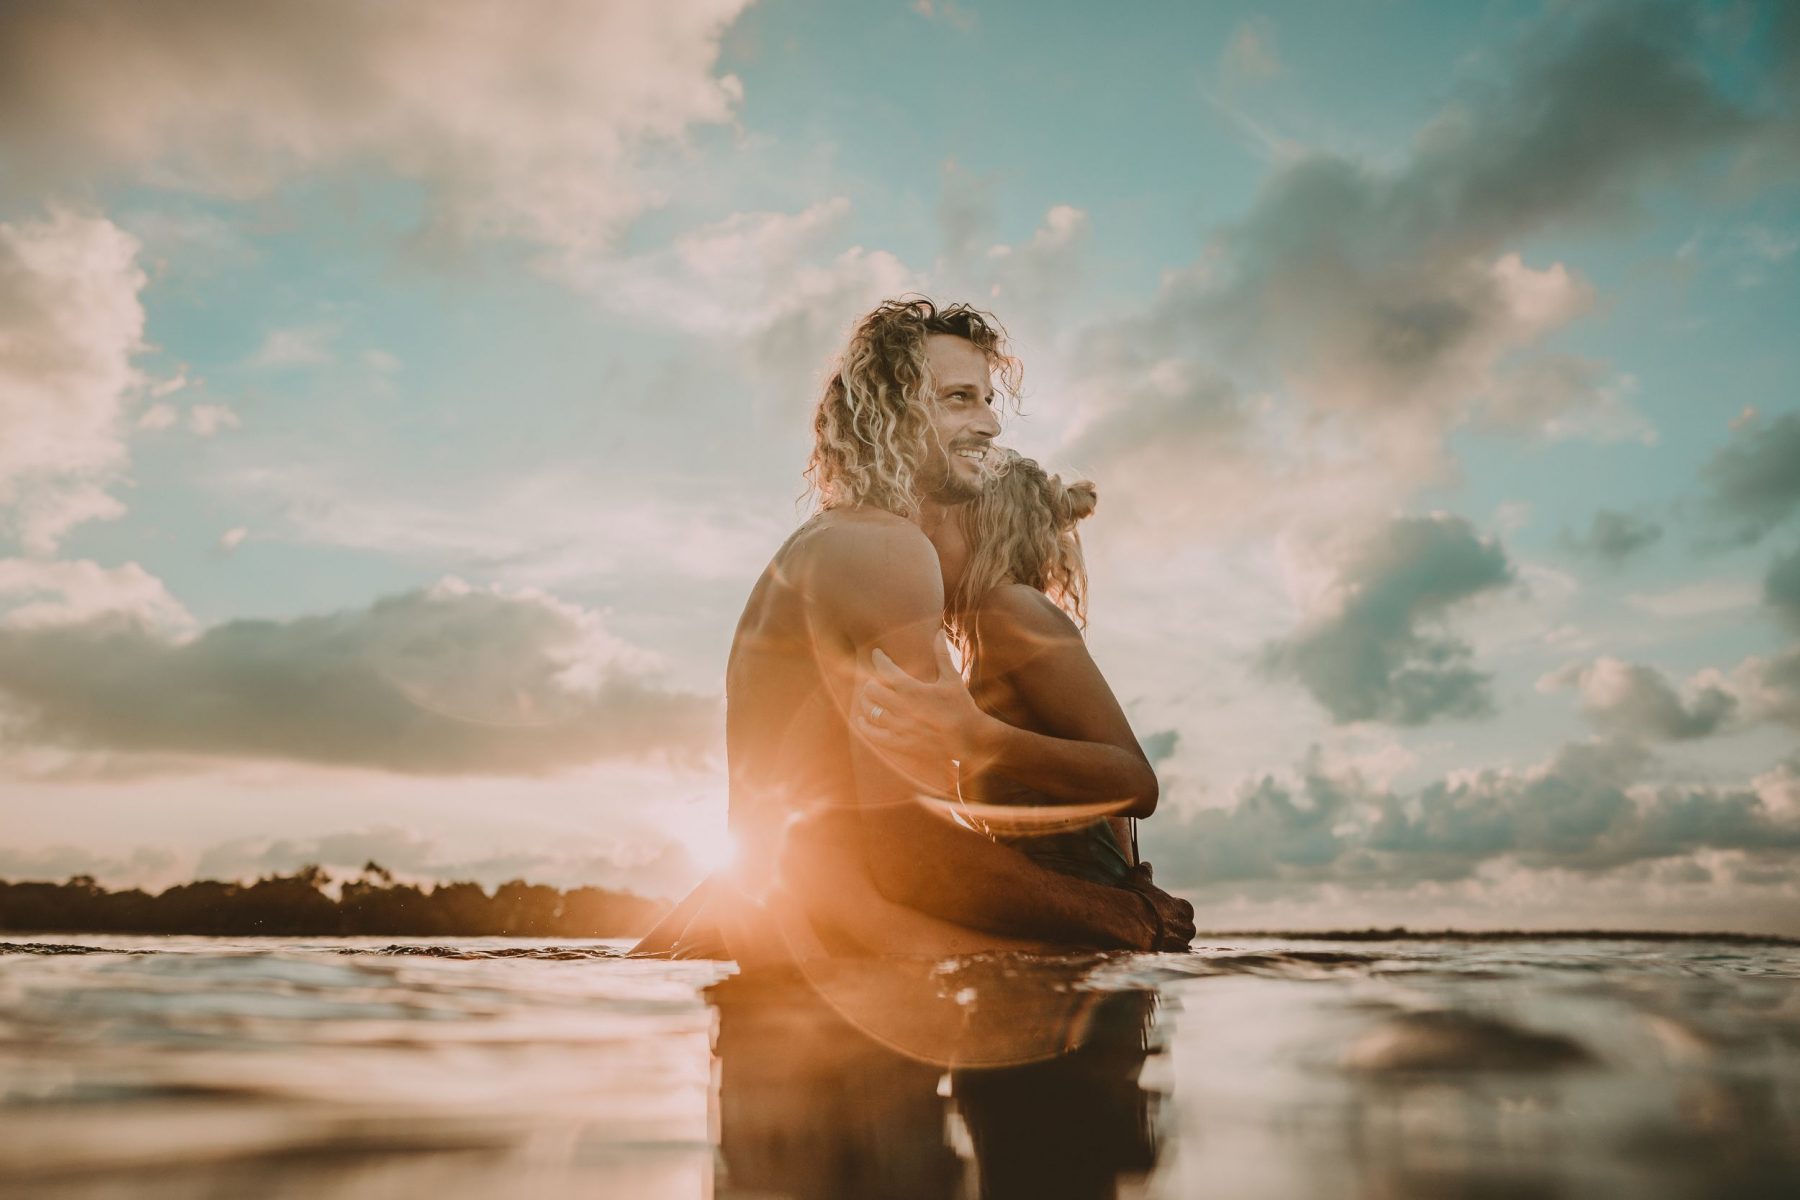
(875,711)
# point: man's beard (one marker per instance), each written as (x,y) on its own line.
(948,486)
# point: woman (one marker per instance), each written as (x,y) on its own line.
(1017,608)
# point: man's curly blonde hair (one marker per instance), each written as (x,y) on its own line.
(1022,530)
(872,430)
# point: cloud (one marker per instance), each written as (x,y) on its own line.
(1635,701)
(1587,810)
(1703,598)
(1036,279)
(1781,588)
(1160,744)
(1394,302)
(36,592)
(1613,537)
(207,419)
(71,323)
(1033,280)
(232,538)
(557,528)
(1363,655)
(152,865)
(1753,482)
(158,417)
(1561,396)
(770,282)
(1752,254)
(965,217)
(521,128)
(300,346)
(1250,57)
(1771,687)
(448,680)
(949,12)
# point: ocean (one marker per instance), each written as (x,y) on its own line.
(150,1067)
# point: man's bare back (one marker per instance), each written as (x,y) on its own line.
(788,685)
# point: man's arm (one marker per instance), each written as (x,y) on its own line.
(877,583)
(1087,752)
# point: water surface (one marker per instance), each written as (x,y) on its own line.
(152,1067)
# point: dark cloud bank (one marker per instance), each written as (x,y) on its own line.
(1372,657)
(1398,290)
(1612,537)
(444,681)
(1583,812)
(1753,484)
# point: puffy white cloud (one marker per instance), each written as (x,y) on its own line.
(771,283)
(443,681)
(524,125)
(36,592)
(70,325)
(1635,701)
(1364,654)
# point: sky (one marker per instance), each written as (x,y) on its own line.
(398,401)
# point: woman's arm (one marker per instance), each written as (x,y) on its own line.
(1088,753)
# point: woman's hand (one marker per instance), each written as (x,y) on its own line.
(921,720)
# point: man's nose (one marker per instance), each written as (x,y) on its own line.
(987,424)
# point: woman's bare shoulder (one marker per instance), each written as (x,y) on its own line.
(1027,608)
(1016,624)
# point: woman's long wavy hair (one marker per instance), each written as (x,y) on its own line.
(1022,530)
(872,430)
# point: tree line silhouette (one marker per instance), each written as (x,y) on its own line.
(298,905)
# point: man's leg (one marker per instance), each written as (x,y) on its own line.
(661,941)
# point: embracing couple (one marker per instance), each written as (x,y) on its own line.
(884,799)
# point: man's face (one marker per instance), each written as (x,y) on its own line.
(962,418)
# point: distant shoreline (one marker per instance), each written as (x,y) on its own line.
(1400,933)
(372,904)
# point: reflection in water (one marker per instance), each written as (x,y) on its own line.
(362,1070)
(902,1078)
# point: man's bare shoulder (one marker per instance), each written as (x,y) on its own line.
(863,539)
(869,569)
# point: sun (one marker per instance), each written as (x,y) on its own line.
(708,840)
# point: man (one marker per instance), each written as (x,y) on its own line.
(833,840)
